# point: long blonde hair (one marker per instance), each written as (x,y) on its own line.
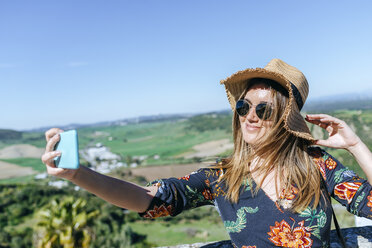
(279,151)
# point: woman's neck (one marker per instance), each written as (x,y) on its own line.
(265,179)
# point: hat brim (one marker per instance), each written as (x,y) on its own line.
(236,83)
(293,120)
(295,123)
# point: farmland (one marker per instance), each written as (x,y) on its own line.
(148,150)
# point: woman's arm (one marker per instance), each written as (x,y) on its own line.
(363,156)
(118,192)
(342,136)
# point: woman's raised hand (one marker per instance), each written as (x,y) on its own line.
(52,137)
(110,189)
(340,134)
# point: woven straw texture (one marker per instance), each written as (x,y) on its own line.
(284,74)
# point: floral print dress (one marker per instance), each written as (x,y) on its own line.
(257,221)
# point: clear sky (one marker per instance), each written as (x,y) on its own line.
(84,61)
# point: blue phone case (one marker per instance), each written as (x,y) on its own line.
(69,148)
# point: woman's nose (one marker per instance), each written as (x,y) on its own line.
(251,116)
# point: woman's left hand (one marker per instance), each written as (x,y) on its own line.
(340,134)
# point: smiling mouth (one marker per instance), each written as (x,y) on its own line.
(251,127)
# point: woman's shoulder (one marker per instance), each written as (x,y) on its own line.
(318,153)
(212,170)
(327,164)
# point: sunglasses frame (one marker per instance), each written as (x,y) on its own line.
(259,115)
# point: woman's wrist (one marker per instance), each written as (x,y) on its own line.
(75,176)
(358,146)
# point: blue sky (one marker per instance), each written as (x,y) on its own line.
(81,61)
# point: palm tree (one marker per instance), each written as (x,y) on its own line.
(65,224)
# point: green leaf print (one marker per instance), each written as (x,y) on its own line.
(240,223)
(354,208)
(306,212)
(316,233)
(338,175)
(325,157)
(190,189)
(325,244)
(321,220)
(194,197)
(246,184)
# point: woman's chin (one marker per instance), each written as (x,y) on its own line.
(250,138)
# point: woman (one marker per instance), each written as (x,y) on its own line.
(269,191)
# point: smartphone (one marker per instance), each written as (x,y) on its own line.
(69,148)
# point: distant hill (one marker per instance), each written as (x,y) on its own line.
(140,119)
(360,101)
(330,106)
(367,95)
(135,120)
(158,141)
(322,104)
(7,134)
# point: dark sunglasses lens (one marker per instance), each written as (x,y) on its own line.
(263,111)
(242,107)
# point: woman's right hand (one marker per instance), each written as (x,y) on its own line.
(52,137)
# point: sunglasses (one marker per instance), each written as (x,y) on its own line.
(263,110)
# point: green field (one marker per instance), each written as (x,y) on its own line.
(165,234)
(34,163)
(21,198)
(18,180)
(164,139)
(33,138)
(170,139)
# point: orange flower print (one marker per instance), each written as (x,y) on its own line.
(213,172)
(207,182)
(289,195)
(218,191)
(282,234)
(278,207)
(369,204)
(158,212)
(330,163)
(249,246)
(346,191)
(207,194)
(185,178)
(286,198)
(321,165)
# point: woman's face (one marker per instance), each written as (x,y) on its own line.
(253,128)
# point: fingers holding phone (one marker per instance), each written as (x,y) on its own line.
(52,132)
(56,149)
(52,137)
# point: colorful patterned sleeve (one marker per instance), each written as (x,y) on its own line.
(352,191)
(177,194)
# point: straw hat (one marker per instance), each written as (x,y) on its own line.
(287,76)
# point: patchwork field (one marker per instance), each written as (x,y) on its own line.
(21,151)
(169,142)
(166,171)
(9,170)
(160,150)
